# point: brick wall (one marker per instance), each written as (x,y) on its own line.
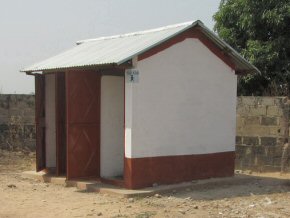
(261,125)
(17,121)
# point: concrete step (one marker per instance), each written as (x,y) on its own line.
(99,187)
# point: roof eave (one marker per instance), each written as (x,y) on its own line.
(248,67)
(124,65)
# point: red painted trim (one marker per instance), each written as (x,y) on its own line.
(144,172)
(66,120)
(190,33)
(124,165)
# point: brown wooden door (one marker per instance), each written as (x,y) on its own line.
(60,109)
(40,121)
(83,124)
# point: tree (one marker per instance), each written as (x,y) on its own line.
(260,31)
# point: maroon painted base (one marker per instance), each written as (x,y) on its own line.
(144,172)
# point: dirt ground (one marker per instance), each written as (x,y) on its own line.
(267,196)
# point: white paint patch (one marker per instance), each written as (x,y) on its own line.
(112,126)
(184,103)
(50,128)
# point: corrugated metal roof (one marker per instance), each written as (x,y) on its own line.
(121,48)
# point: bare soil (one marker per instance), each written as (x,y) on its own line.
(267,196)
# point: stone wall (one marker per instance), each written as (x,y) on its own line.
(261,127)
(17,121)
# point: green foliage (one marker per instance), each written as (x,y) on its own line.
(260,31)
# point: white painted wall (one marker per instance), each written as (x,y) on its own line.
(112,126)
(50,128)
(184,103)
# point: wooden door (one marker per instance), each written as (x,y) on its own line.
(60,109)
(83,124)
(40,121)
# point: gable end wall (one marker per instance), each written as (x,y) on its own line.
(180,117)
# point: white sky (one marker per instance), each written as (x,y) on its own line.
(33,30)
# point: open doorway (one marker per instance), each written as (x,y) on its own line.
(50,123)
(54,119)
(112,127)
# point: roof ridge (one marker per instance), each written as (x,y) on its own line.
(137,32)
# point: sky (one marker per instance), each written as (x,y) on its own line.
(33,30)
